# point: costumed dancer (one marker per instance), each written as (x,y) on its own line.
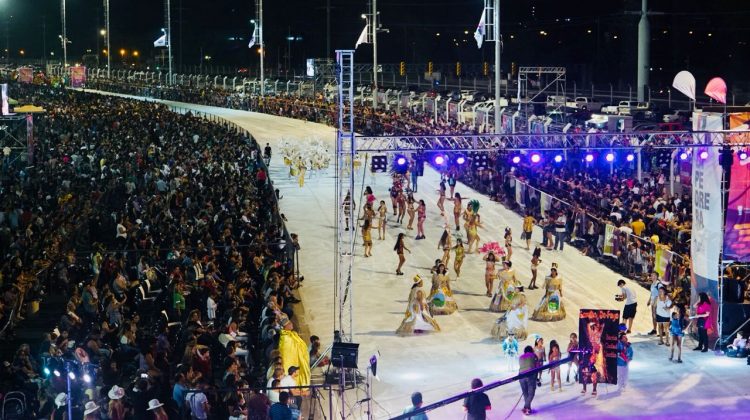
(507,288)
(410,210)
(367,238)
(473,221)
(382,213)
(399,248)
(417,318)
(514,322)
(441,199)
(510,350)
(551,308)
(396,188)
(301,171)
(293,351)
(441,301)
(459,249)
(489,271)
(457,208)
(508,243)
(446,245)
(401,201)
(535,260)
(421,216)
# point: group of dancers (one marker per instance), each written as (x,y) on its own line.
(422,307)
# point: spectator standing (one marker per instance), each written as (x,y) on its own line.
(157,410)
(477,404)
(528,227)
(526,362)
(652,300)
(663,313)
(198,402)
(676,331)
(416,403)
(267,154)
(703,311)
(624,356)
(631,305)
(281,410)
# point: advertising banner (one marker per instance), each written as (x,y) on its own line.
(737,227)
(609,240)
(77,76)
(25,75)
(598,329)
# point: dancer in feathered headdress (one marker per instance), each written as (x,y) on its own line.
(472,222)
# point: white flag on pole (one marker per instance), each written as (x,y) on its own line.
(4,93)
(479,33)
(362,37)
(252,39)
(162,41)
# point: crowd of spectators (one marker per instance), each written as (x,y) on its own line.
(160,237)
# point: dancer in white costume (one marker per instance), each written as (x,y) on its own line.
(441,300)
(508,287)
(417,319)
(514,322)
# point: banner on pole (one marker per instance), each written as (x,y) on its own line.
(663,264)
(609,240)
(519,193)
(737,227)
(77,76)
(598,329)
(545,201)
(706,241)
(4,110)
(25,74)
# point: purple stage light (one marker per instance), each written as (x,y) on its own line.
(439,160)
(460,160)
(683,156)
(589,157)
(558,158)
(703,155)
(535,158)
(610,157)
(516,159)
(630,157)
(743,155)
(401,161)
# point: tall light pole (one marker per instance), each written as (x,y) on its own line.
(644,40)
(64,36)
(262,49)
(168,17)
(107,34)
(498,69)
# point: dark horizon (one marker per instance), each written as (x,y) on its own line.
(595,40)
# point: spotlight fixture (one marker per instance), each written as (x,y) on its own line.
(56,373)
(401,160)
(72,376)
(535,158)
(460,160)
(558,158)
(743,155)
(589,157)
(439,160)
(516,159)
(609,157)
(630,157)
(46,371)
(683,156)
(87,378)
(703,155)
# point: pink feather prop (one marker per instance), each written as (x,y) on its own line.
(494,247)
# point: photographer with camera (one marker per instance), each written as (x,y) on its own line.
(627,295)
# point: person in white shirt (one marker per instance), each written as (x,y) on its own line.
(273,394)
(627,295)
(663,314)
(211,306)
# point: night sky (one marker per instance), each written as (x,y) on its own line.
(596,40)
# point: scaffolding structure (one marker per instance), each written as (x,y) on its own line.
(540,86)
(16,139)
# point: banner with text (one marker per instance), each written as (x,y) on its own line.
(598,329)
(77,76)
(737,227)
(25,74)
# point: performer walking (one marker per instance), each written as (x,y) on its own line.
(367,238)
(535,260)
(489,271)
(572,350)
(382,212)
(441,199)
(399,248)
(507,288)
(441,301)
(410,210)
(550,308)
(446,245)
(528,228)
(508,243)
(554,373)
(676,330)
(401,201)
(459,249)
(471,215)
(396,188)
(514,322)
(457,208)
(421,216)
(417,319)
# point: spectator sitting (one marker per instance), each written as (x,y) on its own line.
(738,348)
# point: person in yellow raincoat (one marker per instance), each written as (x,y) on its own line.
(294,352)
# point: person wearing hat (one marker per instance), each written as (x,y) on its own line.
(116,409)
(551,308)
(157,408)
(90,411)
(293,351)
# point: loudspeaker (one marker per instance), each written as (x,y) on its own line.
(345,355)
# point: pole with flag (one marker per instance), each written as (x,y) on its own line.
(251,44)
(479,33)
(362,37)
